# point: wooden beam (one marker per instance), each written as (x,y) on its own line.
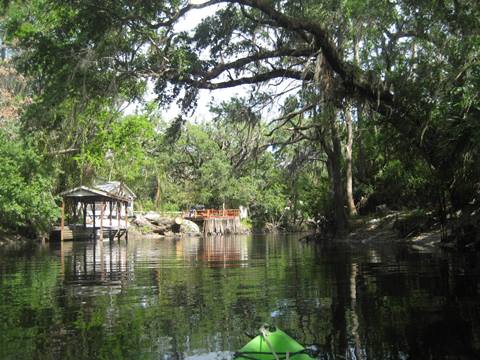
(110,218)
(126,216)
(62,221)
(126,221)
(118,215)
(85,215)
(94,232)
(119,208)
(102,210)
(102,260)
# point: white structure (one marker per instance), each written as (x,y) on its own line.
(119,189)
(243,212)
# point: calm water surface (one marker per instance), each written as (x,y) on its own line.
(196,298)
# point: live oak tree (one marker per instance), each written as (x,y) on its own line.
(389,57)
(391,67)
(412,65)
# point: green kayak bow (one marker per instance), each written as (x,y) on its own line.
(272,344)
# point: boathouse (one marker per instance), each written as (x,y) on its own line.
(91,212)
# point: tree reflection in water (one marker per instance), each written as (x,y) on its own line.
(197,297)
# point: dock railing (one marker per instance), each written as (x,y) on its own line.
(212,213)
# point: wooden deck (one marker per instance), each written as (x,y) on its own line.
(213,221)
(73,232)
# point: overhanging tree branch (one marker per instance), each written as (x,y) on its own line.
(354,79)
(261,55)
(352,76)
(259,78)
(287,117)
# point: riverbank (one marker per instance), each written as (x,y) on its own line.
(419,228)
(396,226)
(10,241)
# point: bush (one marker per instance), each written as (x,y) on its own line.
(26,202)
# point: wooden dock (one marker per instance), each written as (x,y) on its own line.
(213,221)
(73,232)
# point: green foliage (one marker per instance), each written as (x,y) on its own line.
(120,148)
(26,203)
(207,172)
(403,186)
(409,69)
(314,195)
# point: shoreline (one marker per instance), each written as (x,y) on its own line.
(16,242)
(387,228)
(382,228)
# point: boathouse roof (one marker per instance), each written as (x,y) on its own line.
(117,188)
(84,194)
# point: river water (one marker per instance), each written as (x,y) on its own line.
(196,298)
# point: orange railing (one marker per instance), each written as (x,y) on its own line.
(212,213)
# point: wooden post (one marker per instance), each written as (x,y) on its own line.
(119,208)
(85,215)
(75,211)
(110,250)
(102,260)
(62,260)
(102,210)
(110,218)
(94,232)
(118,215)
(94,262)
(126,216)
(62,221)
(85,260)
(126,221)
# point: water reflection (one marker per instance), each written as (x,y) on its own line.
(195,298)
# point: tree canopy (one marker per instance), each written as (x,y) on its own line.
(349,96)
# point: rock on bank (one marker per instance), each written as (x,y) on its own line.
(158,224)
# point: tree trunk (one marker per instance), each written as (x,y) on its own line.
(158,192)
(361,165)
(348,164)
(334,158)
(324,77)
